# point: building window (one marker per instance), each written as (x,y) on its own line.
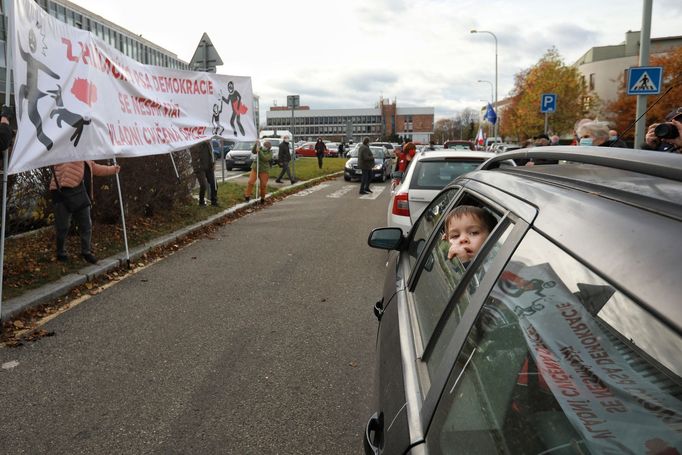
(592,80)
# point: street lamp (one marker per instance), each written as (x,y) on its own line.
(495,38)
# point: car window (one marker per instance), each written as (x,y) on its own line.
(437,281)
(559,361)
(434,175)
(453,314)
(243,146)
(426,224)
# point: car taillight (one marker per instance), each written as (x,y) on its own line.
(401,205)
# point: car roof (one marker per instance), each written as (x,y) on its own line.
(452,153)
(617,210)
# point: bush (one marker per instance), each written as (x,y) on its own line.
(148,185)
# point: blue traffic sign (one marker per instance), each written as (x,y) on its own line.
(645,80)
(548,103)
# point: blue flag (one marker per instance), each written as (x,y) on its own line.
(490,114)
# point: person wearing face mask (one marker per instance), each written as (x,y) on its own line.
(594,134)
(614,141)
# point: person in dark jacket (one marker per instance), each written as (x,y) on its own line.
(284,158)
(365,163)
(67,178)
(203,163)
(5,130)
(320,149)
(673,145)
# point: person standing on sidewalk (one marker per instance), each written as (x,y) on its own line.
(262,165)
(284,158)
(66,178)
(365,164)
(320,149)
(203,164)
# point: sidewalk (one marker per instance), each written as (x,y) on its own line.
(12,307)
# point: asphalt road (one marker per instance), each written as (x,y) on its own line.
(256,339)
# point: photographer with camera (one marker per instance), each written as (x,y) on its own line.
(666,137)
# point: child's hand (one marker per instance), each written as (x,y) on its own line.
(463,252)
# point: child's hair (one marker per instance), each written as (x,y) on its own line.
(482,215)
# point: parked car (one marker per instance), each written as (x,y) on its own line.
(461,145)
(387,145)
(383,165)
(215,146)
(240,156)
(427,174)
(562,335)
(308,149)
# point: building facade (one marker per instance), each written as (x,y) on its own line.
(130,44)
(384,120)
(602,67)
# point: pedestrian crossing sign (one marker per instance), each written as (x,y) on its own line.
(645,80)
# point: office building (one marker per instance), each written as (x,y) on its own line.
(384,120)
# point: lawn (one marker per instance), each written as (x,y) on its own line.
(30,259)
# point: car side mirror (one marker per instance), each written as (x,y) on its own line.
(388,238)
(397,175)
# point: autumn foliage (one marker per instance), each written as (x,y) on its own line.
(621,112)
(522,118)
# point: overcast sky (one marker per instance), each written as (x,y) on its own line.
(349,53)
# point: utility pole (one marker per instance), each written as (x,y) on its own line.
(644,40)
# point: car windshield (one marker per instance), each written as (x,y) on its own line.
(377,152)
(434,175)
(243,146)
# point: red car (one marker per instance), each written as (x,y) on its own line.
(308,149)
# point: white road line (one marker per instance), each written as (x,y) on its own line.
(311,190)
(339,193)
(376,191)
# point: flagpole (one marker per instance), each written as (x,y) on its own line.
(5,158)
(123,216)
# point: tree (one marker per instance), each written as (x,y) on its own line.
(444,129)
(621,111)
(523,119)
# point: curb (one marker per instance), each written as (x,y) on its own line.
(65,284)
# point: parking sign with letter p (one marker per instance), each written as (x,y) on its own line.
(548,103)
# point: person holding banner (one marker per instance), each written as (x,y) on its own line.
(69,179)
(5,129)
(203,164)
(260,168)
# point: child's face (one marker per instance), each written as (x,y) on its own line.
(465,234)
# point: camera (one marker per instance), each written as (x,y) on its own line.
(666,131)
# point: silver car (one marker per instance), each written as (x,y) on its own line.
(427,174)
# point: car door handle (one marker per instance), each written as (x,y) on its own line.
(373,434)
(379,309)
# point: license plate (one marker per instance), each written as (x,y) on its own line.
(238,162)
(358,171)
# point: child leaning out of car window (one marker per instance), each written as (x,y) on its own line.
(466,229)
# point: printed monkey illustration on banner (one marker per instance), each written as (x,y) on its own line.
(32,93)
(215,118)
(234,99)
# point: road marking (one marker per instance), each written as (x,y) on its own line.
(339,193)
(311,190)
(10,365)
(377,190)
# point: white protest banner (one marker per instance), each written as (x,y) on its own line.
(79,98)
(613,401)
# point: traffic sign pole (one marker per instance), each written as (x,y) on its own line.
(546,121)
(644,40)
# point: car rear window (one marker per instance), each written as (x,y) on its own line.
(434,175)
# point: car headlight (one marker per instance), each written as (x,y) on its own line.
(348,166)
(377,167)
